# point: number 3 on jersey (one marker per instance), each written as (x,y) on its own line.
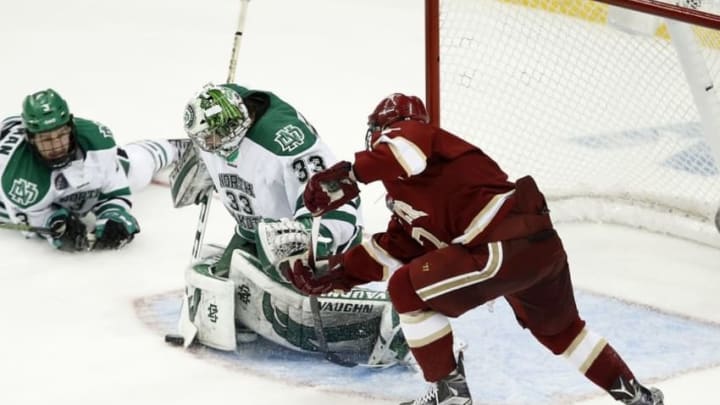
(240,203)
(305,167)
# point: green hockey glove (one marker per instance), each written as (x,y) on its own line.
(115,228)
(68,232)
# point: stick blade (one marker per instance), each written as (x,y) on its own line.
(174,339)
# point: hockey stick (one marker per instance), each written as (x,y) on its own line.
(10,226)
(188,330)
(188,310)
(201,225)
(315,308)
(322,340)
(25,228)
(237,40)
(205,200)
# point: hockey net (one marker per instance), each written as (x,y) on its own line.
(616,121)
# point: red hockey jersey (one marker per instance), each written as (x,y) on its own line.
(442,189)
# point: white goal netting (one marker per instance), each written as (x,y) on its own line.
(590,99)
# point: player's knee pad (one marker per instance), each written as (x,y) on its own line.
(402,293)
(559,342)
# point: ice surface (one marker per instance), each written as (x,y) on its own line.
(70,331)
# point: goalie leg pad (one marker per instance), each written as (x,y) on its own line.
(361,321)
(211,307)
(258,298)
(391,347)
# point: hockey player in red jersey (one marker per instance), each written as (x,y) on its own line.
(461,234)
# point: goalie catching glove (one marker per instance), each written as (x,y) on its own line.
(285,240)
(330,189)
(280,240)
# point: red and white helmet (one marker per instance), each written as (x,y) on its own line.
(393,108)
(396,107)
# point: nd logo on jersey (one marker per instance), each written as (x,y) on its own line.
(289,137)
(23,192)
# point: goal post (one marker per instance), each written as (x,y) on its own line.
(611,107)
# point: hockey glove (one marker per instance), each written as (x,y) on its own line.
(330,189)
(115,228)
(279,240)
(302,276)
(67,231)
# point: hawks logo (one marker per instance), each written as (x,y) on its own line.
(289,137)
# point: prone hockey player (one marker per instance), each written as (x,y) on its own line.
(64,178)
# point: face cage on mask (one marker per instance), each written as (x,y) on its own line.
(60,162)
(225,146)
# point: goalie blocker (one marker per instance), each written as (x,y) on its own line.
(360,323)
(189,179)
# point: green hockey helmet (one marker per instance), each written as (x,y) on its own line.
(50,129)
(44,111)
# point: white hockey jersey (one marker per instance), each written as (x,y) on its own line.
(267,176)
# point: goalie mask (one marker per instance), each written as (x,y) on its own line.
(393,108)
(216,120)
(49,128)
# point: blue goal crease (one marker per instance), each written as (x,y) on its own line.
(504,363)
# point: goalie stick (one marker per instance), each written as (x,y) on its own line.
(188,330)
(205,200)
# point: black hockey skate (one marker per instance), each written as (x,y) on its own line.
(633,393)
(451,390)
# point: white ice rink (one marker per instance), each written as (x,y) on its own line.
(69,333)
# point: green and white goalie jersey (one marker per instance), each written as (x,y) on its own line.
(266,177)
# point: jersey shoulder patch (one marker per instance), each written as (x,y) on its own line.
(283,130)
(284,138)
(93,136)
